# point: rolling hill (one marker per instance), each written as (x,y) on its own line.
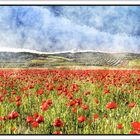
(29,59)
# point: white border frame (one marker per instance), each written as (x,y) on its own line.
(70,2)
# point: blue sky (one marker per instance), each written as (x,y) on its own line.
(66,28)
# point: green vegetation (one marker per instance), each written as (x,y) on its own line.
(40,101)
(135,62)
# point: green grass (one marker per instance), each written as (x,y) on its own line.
(32,102)
(133,63)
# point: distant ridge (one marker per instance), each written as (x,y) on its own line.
(82,58)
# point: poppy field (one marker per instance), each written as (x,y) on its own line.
(42,101)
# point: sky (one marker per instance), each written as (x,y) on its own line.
(70,28)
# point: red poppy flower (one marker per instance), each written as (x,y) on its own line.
(59,93)
(1,98)
(58,123)
(70,96)
(3,118)
(85,107)
(35,124)
(18,103)
(46,104)
(13,92)
(106,91)
(74,110)
(4,91)
(136,125)
(11,99)
(96,101)
(71,103)
(111,105)
(44,107)
(81,119)
(57,132)
(40,119)
(49,102)
(31,86)
(40,92)
(96,116)
(104,116)
(135,132)
(29,119)
(87,93)
(78,101)
(36,115)
(131,105)
(13,115)
(18,98)
(120,126)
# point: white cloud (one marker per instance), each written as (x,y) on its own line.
(41,30)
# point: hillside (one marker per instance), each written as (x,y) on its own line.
(28,59)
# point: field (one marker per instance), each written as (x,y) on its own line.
(42,101)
